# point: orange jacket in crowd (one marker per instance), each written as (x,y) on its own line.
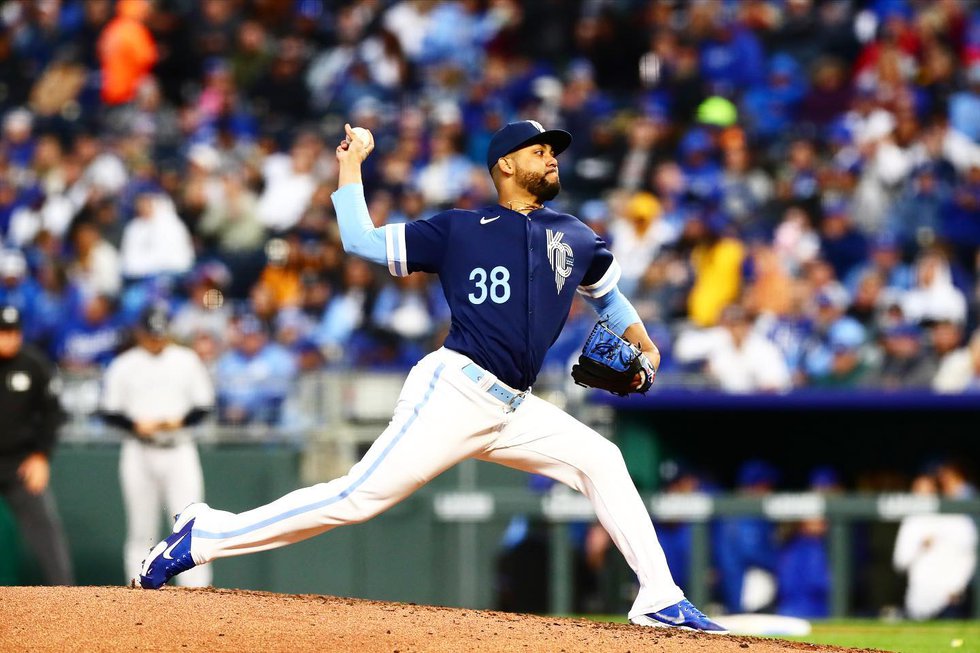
(127,52)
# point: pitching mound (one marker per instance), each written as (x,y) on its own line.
(198,620)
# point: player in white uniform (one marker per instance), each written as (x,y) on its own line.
(509,272)
(155,391)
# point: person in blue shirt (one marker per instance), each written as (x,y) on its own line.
(509,273)
(253,377)
(747,545)
(803,565)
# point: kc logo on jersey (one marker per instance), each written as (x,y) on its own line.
(560,256)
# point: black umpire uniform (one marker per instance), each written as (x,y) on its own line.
(31,415)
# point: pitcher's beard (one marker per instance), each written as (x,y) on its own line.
(539,186)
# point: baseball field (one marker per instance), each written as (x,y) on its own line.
(110,619)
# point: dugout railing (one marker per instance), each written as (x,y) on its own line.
(560,508)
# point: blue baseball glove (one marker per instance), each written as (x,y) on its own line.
(608,362)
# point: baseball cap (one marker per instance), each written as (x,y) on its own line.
(13,264)
(251,325)
(717,110)
(824,477)
(9,318)
(155,321)
(515,135)
(902,330)
(846,335)
(754,472)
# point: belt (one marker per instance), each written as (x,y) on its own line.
(498,390)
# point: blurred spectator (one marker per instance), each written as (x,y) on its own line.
(206,308)
(747,189)
(19,139)
(745,547)
(716,257)
(839,360)
(289,183)
(938,552)
(959,370)
(934,296)
(280,95)
(413,310)
(127,51)
(96,268)
(771,107)
(885,258)
(443,179)
(795,239)
(57,300)
(869,301)
(736,358)
(281,277)
(252,56)
(637,237)
(905,362)
(92,337)
(797,183)
(964,105)
(348,310)
(828,94)
(253,377)
(678,477)
(155,242)
(17,287)
(803,571)
(917,215)
(230,222)
(955,478)
(841,244)
(790,331)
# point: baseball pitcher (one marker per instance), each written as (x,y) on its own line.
(509,273)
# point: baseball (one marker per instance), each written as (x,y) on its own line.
(364,135)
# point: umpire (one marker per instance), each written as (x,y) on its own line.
(31,415)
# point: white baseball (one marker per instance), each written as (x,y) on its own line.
(364,136)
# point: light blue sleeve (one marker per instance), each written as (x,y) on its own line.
(357,232)
(614,307)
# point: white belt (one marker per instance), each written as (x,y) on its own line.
(498,390)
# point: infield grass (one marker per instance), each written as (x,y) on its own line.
(897,637)
(901,636)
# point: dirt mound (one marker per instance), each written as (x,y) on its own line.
(174,619)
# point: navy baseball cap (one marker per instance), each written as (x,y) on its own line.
(515,135)
(155,321)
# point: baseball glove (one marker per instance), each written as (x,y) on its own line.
(608,362)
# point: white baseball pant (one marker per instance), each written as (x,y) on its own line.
(155,479)
(441,418)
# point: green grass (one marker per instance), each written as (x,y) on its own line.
(897,637)
(900,637)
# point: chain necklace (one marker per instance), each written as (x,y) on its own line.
(524,207)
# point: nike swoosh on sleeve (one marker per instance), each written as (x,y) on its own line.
(484,220)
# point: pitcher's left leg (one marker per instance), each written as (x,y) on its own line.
(543,439)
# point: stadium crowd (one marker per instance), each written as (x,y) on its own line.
(792,187)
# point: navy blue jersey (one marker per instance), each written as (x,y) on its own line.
(509,279)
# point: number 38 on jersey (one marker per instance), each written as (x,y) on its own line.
(495,285)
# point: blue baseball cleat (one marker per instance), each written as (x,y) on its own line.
(681,615)
(171,556)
